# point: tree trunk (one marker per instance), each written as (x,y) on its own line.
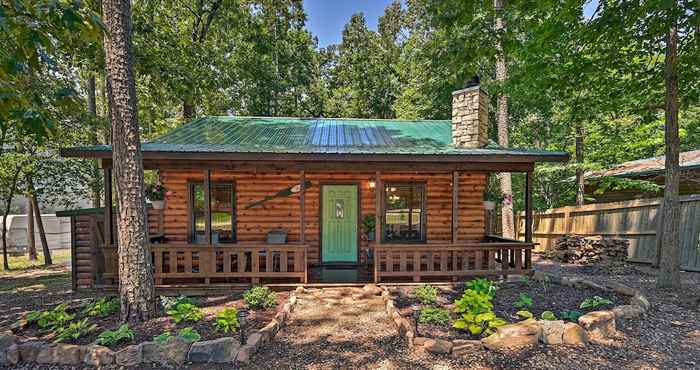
(669,267)
(136,291)
(580,183)
(187,110)
(508,225)
(5,214)
(42,232)
(92,109)
(31,240)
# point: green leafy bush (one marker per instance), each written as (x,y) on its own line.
(548,315)
(524,301)
(482,285)
(74,330)
(50,319)
(227,320)
(185,312)
(163,337)
(102,307)
(426,294)
(594,302)
(110,337)
(477,316)
(170,302)
(525,314)
(570,315)
(260,298)
(189,335)
(435,316)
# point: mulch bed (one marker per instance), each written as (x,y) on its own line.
(210,306)
(545,297)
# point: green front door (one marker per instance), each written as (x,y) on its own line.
(339,223)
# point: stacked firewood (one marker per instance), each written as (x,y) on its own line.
(589,250)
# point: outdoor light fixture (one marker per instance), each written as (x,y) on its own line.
(416,314)
(242,323)
(372,184)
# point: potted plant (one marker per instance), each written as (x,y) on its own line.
(492,195)
(156,195)
(368,224)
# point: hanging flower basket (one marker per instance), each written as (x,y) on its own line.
(156,194)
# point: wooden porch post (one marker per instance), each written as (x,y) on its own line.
(528,207)
(455,207)
(205,261)
(302,208)
(107,174)
(378,190)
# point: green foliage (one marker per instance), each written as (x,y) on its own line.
(570,315)
(260,298)
(189,335)
(74,330)
(103,307)
(548,315)
(609,183)
(110,337)
(163,337)
(155,192)
(524,301)
(482,285)
(426,294)
(50,319)
(185,312)
(476,311)
(525,314)
(594,302)
(170,302)
(368,223)
(227,320)
(435,316)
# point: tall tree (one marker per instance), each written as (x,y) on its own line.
(136,289)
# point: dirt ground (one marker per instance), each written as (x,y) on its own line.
(325,332)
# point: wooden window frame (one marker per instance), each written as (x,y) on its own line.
(423,216)
(192,230)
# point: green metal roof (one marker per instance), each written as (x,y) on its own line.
(316,136)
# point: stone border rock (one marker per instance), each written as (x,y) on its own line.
(173,352)
(596,324)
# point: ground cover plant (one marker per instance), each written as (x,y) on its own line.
(260,297)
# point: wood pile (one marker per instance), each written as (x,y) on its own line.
(583,250)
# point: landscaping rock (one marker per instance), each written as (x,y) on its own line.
(552,331)
(288,307)
(173,352)
(62,354)
(621,288)
(372,289)
(7,341)
(28,351)
(281,317)
(627,311)
(404,326)
(270,330)
(463,347)
(514,335)
(255,340)
(299,290)
(419,341)
(219,350)
(12,354)
(640,301)
(245,354)
(98,356)
(574,334)
(129,356)
(292,300)
(598,324)
(438,346)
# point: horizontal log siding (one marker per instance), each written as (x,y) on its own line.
(253,224)
(83,244)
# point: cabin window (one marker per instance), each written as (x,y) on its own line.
(404,212)
(223,216)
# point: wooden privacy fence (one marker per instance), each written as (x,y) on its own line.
(417,261)
(634,220)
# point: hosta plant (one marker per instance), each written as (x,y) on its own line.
(476,313)
(189,335)
(435,316)
(524,301)
(163,337)
(74,330)
(594,302)
(50,319)
(426,294)
(170,302)
(482,285)
(548,315)
(185,312)
(227,320)
(570,315)
(260,298)
(110,337)
(525,314)
(103,307)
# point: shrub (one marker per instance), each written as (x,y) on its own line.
(260,298)
(570,315)
(426,294)
(74,330)
(189,335)
(435,316)
(163,337)
(482,285)
(524,301)
(170,302)
(525,314)
(102,307)
(185,312)
(110,337)
(50,319)
(548,315)
(594,302)
(477,314)
(227,320)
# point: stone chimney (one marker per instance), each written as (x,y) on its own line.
(470,117)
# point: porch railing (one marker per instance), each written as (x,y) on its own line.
(419,261)
(209,263)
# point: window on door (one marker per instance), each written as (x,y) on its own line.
(404,212)
(223,216)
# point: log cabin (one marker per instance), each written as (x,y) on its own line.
(316,200)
